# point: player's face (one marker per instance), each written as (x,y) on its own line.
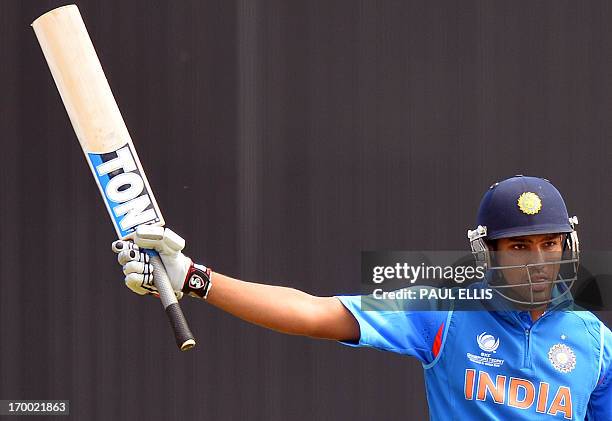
(535,250)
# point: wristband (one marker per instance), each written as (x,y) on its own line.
(197,282)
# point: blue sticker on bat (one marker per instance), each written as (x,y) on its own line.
(124,190)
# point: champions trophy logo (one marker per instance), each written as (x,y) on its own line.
(487,342)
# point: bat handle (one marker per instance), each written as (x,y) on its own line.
(182,333)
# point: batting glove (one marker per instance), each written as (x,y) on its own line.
(185,277)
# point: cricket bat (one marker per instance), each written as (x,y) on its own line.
(105,140)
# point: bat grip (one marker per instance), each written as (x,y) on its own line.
(182,333)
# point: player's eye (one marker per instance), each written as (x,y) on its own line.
(518,246)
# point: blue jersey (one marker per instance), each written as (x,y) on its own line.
(497,365)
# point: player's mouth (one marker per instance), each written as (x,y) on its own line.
(540,283)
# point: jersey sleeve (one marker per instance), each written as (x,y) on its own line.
(600,403)
(400,326)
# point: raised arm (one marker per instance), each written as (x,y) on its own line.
(283,309)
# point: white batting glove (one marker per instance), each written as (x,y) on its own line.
(169,245)
(138,270)
(185,277)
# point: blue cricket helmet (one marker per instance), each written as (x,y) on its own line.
(520,206)
(523,206)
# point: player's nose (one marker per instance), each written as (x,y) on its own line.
(537,255)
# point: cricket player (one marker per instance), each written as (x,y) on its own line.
(527,355)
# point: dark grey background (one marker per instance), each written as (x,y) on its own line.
(281,139)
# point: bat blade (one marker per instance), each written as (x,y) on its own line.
(105,139)
(96,119)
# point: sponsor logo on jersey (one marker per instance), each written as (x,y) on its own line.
(124,189)
(562,358)
(517,393)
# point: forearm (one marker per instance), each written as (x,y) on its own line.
(279,308)
(282,309)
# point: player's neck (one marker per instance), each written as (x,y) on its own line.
(536,314)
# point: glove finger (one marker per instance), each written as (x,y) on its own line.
(143,256)
(173,241)
(128,256)
(120,245)
(148,236)
(135,287)
(149,232)
(137,267)
(140,284)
